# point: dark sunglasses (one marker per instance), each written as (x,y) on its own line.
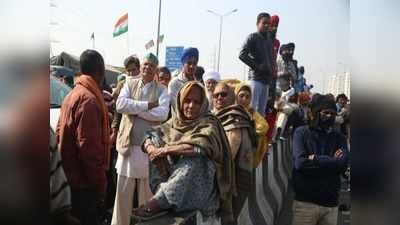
(223,94)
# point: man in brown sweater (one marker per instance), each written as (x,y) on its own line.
(83,136)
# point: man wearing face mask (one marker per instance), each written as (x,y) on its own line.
(294,69)
(320,155)
(287,67)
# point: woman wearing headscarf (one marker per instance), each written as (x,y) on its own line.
(191,166)
(243,98)
(240,131)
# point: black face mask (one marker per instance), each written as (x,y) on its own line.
(326,122)
(285,57)
(322,122)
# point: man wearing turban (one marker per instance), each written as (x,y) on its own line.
(189,59)
(143,103)
(275,48)
(211,78)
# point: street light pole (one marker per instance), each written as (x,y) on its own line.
(221,17)
(344,67)
(158,29)
(219,43)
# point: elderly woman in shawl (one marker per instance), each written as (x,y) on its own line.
(243,98)
(191,166)
(240,131)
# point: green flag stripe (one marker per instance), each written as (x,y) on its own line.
(120,31)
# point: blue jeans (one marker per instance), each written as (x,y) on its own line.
(259,96)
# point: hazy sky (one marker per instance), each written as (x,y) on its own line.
(320,30)
(374,45)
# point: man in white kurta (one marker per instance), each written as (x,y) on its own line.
(144,104)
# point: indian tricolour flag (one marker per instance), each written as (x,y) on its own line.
(121,26)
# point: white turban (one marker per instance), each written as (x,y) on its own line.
(211,75)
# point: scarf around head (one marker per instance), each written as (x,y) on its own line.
(90,84)
(320,102)
(261,127)
(242,86)
(205,132)
(235,116)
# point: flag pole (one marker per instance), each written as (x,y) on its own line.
(127,41)
(127,38)
(93,41)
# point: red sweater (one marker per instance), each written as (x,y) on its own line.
(275,49)
(271,119)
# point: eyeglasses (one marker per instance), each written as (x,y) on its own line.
(222,94)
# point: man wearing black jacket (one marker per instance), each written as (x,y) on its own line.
(320,155)
(257,54)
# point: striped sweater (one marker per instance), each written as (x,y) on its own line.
(60,193)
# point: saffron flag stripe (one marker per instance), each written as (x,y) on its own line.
(122,19)
(121,26)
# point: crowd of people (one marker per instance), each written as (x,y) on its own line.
(159,142)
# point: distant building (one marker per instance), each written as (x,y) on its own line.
(339,83)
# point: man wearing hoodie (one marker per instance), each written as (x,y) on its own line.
(320,155)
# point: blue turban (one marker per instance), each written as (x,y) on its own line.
(189,53)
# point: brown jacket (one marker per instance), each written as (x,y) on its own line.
(79,134)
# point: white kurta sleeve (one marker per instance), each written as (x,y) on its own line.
(126,105)
(159,113)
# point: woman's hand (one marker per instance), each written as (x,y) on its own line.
(148,146)
(157,153)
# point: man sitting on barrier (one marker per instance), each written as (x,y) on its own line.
(191,166)
(320,155)
(239,129)
(285,106)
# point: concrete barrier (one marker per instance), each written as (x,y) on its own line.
(272,176)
